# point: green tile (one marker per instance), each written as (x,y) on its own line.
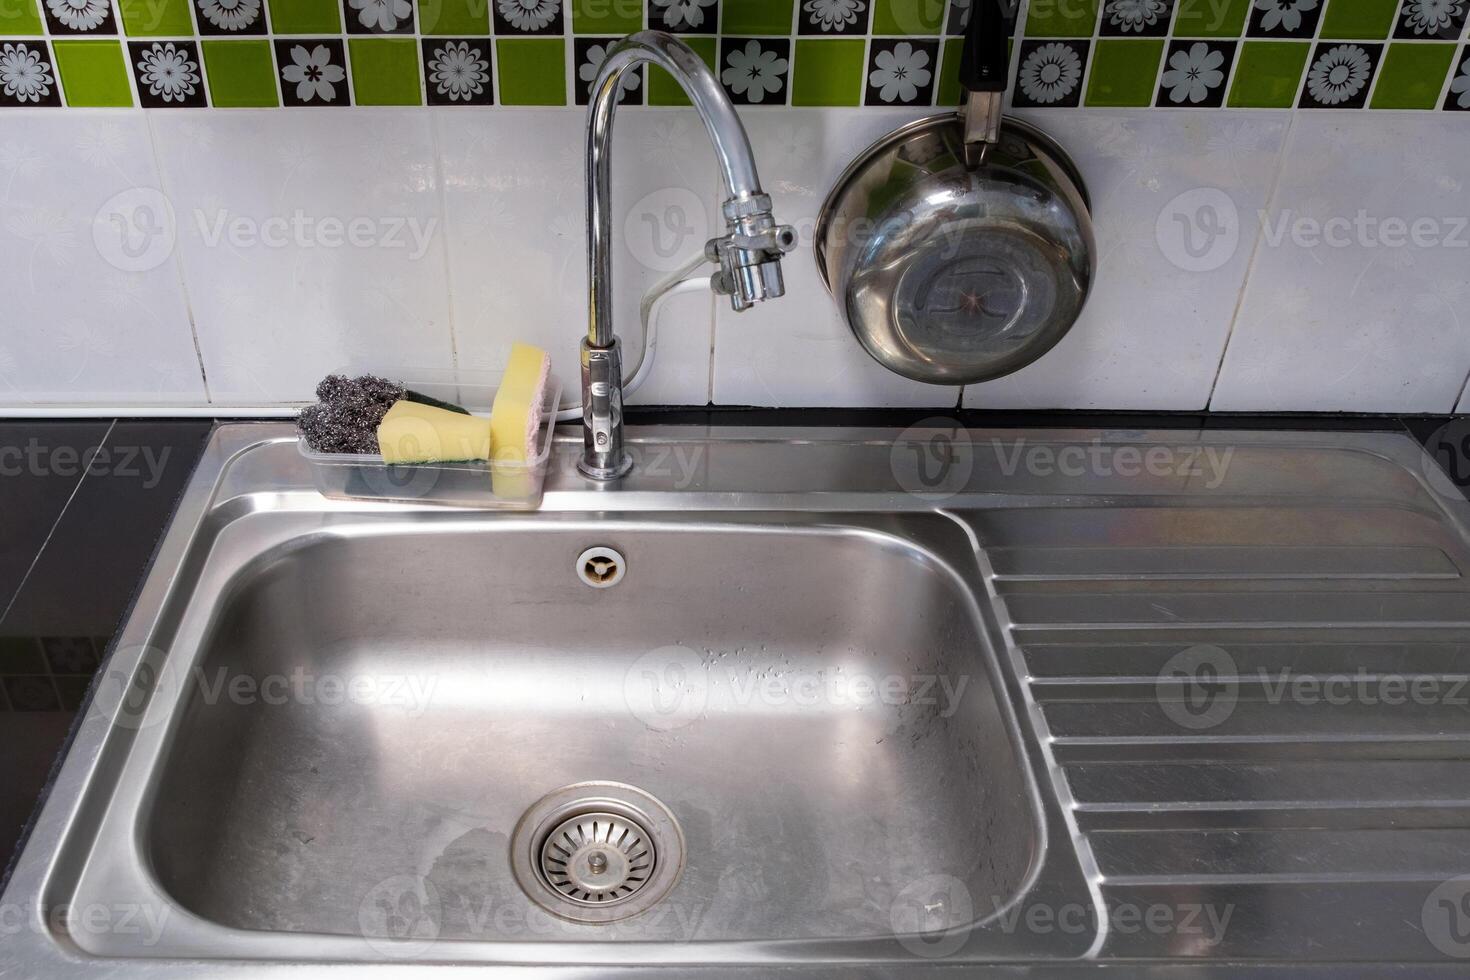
(1359,19)
(1211,18)
(93,73)
(533,70)
(758,16)
(608,16)
(908,16)
(1062,18)
(241,73)
(1412,76)
(453,18)
(309,16)
(385,70)
(828,72)
(1123,73)
(1269,74)
(20,18)
(662,89)
(156,18)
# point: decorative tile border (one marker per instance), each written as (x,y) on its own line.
(1256,54)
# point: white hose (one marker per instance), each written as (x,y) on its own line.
(678,281)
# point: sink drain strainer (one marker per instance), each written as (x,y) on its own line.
(597,852)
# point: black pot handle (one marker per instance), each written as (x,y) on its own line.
(986,55)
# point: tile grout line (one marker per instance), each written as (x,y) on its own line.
(87,468)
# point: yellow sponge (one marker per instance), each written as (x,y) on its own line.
(414,433)
(516,416)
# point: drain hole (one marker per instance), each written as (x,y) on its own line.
(601,568)
(582,862)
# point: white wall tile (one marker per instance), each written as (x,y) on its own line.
(798,350)
(1156,324)
(276,312)
(83,320)
(514,198)
(1364,327)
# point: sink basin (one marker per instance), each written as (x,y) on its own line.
(827,733)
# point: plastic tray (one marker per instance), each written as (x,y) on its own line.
(484,484)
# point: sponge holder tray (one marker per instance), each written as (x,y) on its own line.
(484,484)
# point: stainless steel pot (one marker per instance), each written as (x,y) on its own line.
(960,247)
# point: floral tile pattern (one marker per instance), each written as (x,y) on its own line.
(230,18)
(1340,75)
(901,72)
(833,17)
(80,16)
(590,52)
(1195,73)
(27,75)
(1199,54)
(1458,98)
(167,73)
(755,71)
(1136,18)
(313,72)
(457,71)
(515,17)
(378,16)
(1049,73)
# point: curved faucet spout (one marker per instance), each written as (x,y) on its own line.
(748,255)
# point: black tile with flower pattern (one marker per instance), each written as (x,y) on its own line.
(590,52)
(458,71)
(312,71)
(79,16)
(28,75)
(1285,18)
(168,74)
(378,16)
(754,70)
(1440,20)
(1340,75)
(1195,74)
(1049,74)
(1458,97)
(901,72)
(521,17)
(230,18)
(833,17)
(1136,18)
(685,16)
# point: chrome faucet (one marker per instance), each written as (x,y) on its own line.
(748,255)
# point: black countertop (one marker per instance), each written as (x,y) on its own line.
(83,505)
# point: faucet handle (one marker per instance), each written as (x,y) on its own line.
(749,254)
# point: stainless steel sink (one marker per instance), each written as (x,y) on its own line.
(805,708)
